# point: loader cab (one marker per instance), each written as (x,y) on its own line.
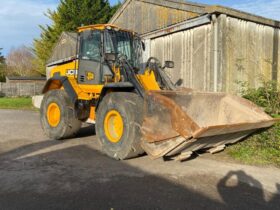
(89,71)
(96,43)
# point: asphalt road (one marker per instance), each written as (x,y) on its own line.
(37,173)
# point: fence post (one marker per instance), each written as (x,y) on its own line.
(19,90)
(12,90)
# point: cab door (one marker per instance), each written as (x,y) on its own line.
(89,71)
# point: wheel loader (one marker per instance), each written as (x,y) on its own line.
(135,106)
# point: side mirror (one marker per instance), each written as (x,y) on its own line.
(169,64)
(143,46)
(110,57)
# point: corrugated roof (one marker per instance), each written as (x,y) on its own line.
(242,15)
(200,9)
(174,4)
(64,48)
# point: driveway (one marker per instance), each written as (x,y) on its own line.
(38,173)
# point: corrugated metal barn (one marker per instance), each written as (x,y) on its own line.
(213,47)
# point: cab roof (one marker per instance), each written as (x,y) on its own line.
(102,27)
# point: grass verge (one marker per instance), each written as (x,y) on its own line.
(262,148)
(16,103)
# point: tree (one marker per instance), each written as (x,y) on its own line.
(20,62)
(69,15)
(2,67)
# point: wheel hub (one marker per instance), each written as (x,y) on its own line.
(113,126)
(53,115)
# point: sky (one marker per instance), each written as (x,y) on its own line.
(20,19)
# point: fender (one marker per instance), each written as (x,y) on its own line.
(115,87)
(57,82)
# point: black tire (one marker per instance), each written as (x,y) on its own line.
(129,106)
(68,125)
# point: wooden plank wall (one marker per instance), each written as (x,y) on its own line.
(191,52)
(248,52)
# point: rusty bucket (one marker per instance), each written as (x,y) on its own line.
(181,122)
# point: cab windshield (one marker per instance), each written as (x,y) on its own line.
(124,43)
(90,45)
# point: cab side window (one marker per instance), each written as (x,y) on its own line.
(90,46)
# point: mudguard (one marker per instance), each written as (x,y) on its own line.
(57,82)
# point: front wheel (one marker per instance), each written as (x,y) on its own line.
(119,118)
(57,115)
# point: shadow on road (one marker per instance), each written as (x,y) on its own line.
(80,177)
(251,189)
(87,130)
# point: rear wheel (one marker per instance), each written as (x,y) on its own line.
(58,115)
(119,117)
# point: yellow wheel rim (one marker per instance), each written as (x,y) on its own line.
(53,115)
(113,126)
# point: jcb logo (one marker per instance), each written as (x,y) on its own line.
(90,76)
(71,72)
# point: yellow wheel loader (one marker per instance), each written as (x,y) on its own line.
(135,106)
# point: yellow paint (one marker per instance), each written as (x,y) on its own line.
(63,69)
(90,76)
(148,80)
(53,115)
(113,126)
(85,92)
(92,113)
(89,92)
(117,73)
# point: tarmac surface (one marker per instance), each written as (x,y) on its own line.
(38,173)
